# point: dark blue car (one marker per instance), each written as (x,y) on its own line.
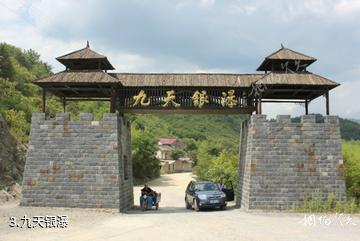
(204,194)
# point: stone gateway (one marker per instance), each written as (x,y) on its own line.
(87,163)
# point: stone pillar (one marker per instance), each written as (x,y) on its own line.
(79,163)
(243,185)
(286,162)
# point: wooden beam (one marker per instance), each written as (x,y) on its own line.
(112,101)
(87,99)
(43,100)
(69,88)
(283,101)
(150,110)
(75,89)
(306,107)
(104,90)
(260,107)
(327,103)
(64,103)
(298,90)
(294,90)
(82,95)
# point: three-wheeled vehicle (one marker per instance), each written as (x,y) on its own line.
(155,202)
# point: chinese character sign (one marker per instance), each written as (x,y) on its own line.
(188,98)
(141,99)
(200,98)
(170,98)
(229,99)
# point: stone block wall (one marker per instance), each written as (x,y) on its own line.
(82,163)
(243,185)
(283,163)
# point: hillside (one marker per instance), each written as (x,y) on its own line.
(12,157)
(222,130)
(205,136)
(356,120)
(350,130)
(19,98)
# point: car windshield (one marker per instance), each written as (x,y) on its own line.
(207,186)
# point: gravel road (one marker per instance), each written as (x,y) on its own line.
(173,222)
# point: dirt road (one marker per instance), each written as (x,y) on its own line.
(173,222)
(172,188)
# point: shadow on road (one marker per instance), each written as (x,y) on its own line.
(164,210)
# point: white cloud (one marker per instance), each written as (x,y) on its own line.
(344,100)
(274,109)
(347,6)
(197,36)
(124,62)
(207,3)
(9,10)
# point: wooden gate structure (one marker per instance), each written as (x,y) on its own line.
(87,163)
(284,79)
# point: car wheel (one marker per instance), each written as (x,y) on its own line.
(196,206)
(187,204)
(223,207)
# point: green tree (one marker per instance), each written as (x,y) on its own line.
(206,152)
(224,168)
(19,98)
(177,153)
(145,164)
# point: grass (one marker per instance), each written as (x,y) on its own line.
(331,204)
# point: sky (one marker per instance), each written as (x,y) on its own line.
(198,36)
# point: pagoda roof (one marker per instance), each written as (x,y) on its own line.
(284,55)
(303,78)
(78,76)
(186,79)
(85,58)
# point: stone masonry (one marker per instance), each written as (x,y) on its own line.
(282,163)
(81,163)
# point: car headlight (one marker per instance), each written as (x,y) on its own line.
(202,196)
(223,195)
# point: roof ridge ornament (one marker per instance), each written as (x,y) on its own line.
(282,46)
(87,44)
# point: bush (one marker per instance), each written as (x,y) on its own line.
(351,156)
(145,164)
(223,167)
(18,126)
(177,153)
(331,204)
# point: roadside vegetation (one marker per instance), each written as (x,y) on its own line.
(315,204)
(351,157)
